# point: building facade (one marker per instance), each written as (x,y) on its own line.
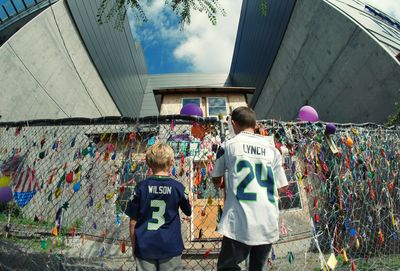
(57,62)
(329,54)
(212,101)
(337,56)
(160,81)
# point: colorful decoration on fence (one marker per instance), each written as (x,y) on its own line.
(5,194)
(26,187)
(308,113)
(330,129)
(348,177)
(351,178)
(191,109)
(5,181)
(5,190)
(7,170)
(290,257)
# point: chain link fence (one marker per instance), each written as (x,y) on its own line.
(72,179)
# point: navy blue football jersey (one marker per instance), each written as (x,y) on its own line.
(155,207)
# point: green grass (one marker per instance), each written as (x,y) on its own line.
(47,224)
(35,244)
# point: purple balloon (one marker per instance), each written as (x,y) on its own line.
(191,109)
(307,113)
(330,129)
(5,194)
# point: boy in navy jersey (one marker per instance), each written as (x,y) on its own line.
(249,222)
(155,227)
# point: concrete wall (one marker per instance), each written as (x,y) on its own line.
(329,62)
(149,106)
(45,72)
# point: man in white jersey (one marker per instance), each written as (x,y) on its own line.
(249,222)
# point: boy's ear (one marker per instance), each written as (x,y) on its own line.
(234,124)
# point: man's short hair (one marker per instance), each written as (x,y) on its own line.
(159,156)
(244,116)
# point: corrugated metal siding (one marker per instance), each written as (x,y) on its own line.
(258,41)
(385,32)
(119,61)
(149,107)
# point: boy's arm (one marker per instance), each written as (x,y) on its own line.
(219,166)
(279,173)
(132,224)
(184,203)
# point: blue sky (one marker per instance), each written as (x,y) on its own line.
(159,38)
(201,47)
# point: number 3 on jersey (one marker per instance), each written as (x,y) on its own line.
(157,215)
(264,177)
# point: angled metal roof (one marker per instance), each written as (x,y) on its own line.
(257,42)
(118,58)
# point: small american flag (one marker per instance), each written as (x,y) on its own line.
(26,187)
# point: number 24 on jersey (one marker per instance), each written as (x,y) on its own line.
(263,175)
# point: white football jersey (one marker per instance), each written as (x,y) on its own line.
(254,174)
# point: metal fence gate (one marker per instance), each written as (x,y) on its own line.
(71,180)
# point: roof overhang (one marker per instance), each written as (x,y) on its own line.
(159,93)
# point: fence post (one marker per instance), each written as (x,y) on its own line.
(221,128)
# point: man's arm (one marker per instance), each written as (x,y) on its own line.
(132,224)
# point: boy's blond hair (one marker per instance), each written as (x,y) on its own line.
(159,156)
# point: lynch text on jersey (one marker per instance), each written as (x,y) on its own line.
(250,149)
(160,189)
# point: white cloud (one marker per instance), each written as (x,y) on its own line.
(391,7)
(158,16)
(208,47)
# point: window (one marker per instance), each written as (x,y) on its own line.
(194,100)
(216,106)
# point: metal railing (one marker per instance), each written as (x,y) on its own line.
(14,10)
